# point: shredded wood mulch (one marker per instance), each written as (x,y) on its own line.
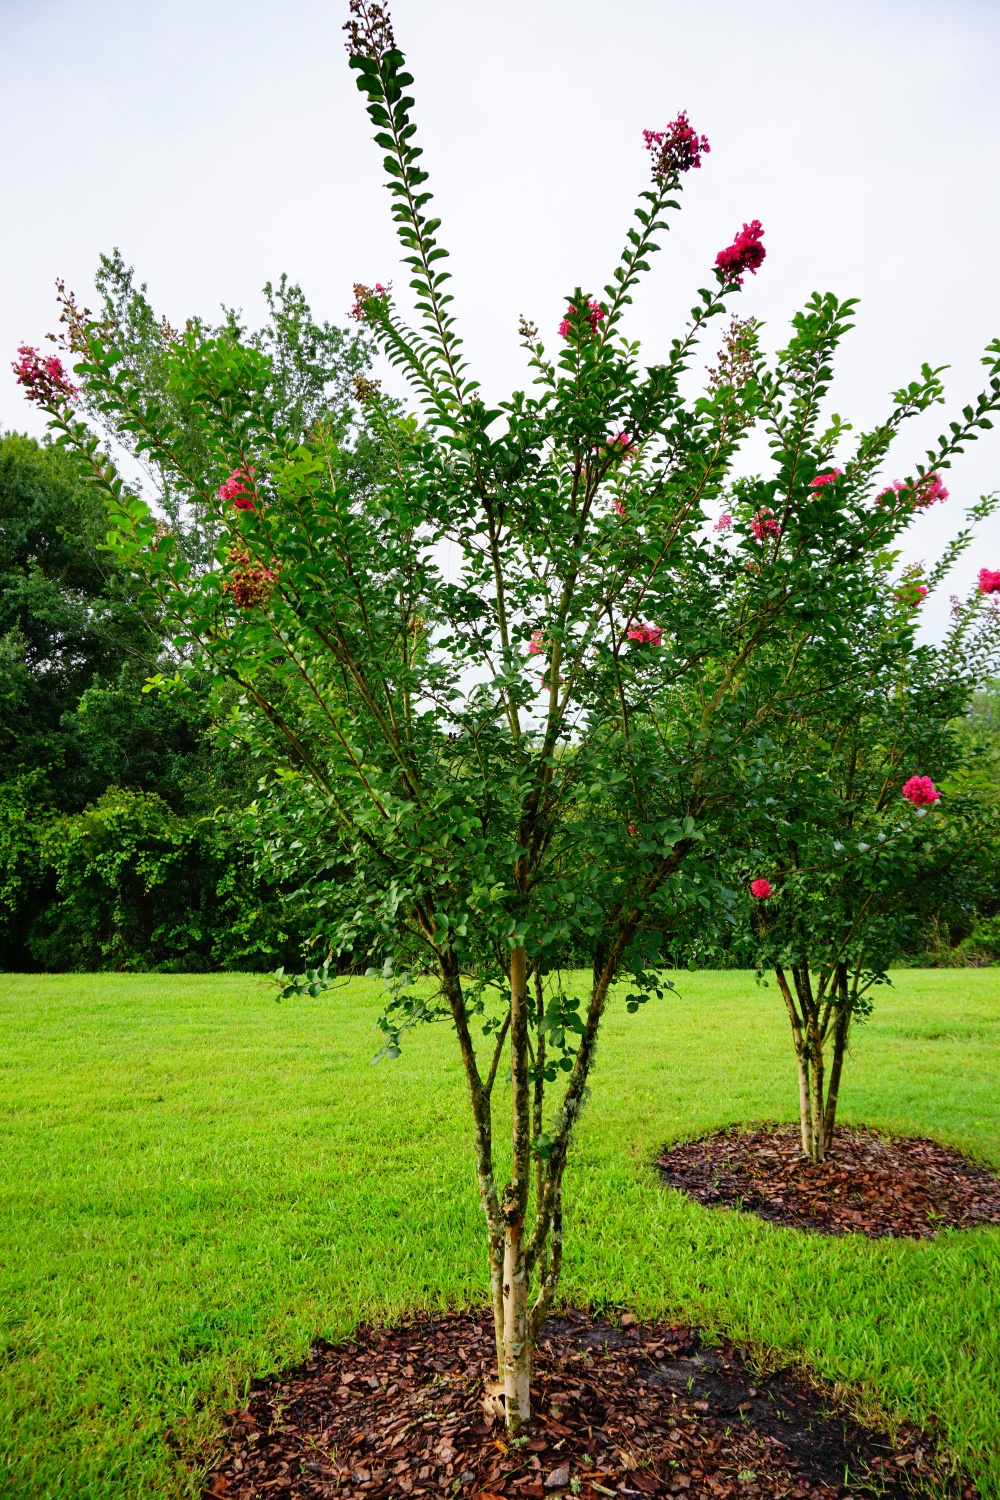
(619,1410)
(905,1189)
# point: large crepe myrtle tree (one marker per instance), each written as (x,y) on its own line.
(508,694)
(850,845)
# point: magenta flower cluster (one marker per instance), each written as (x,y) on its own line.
(622,440)
(536,646)
(645,635)
(761,889)
(44,380)
(677,149)
(926,491)
(929,491)
(724,523)
(764,525)
(746,253)
(595,315)
(989,581)
(235,488)
(365,295)
(921,791)
(822,479)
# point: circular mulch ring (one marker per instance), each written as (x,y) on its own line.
(905,1189)
(619,1411)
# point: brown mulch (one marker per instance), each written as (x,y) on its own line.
(906,1189)
(619,1410)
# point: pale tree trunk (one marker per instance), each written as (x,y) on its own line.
(538,1101)
(538,1093)
(549,1224)
(516,1338)
(803,992)
(480,1099)
(544,1251)
(812,1015)
(809,1009)
(805,1113)
(817,1072)
(550,1265)
(841,1031)
(802,1061)
(516,1343)
(514,1255)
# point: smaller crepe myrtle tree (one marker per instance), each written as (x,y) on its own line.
(507,694)
(851,844)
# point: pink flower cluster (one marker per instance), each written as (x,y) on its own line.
(821,479)
(235,488)
(363,295)
(921,791)
(912,594)
(989,582)
(929,490)
(44,380)
(678,148)
(926,491)
(620,508)
(764,525)
(623,441)
(536,646)
(746,253)
(595,315)
(761,889)
(646,635)
(724,523)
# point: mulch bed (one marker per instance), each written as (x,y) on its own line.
(619,1410)
(906,1189)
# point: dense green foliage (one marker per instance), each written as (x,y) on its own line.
(111,855)
(75,652)
(68,613)
(198,1183)
(122,812)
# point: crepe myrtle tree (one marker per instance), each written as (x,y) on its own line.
(505,692)
(850,844)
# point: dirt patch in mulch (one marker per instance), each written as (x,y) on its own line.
(904,1189)
(619,1410)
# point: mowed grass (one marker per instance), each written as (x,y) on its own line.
(197,1181)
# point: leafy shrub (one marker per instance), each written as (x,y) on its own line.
(135,886)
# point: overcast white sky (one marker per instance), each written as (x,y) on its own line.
(220,143)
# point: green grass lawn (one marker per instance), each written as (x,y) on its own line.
(197,1181)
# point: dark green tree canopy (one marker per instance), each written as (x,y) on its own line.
(69,614)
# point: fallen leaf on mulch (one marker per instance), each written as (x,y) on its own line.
(635,1412)
(906,1189)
